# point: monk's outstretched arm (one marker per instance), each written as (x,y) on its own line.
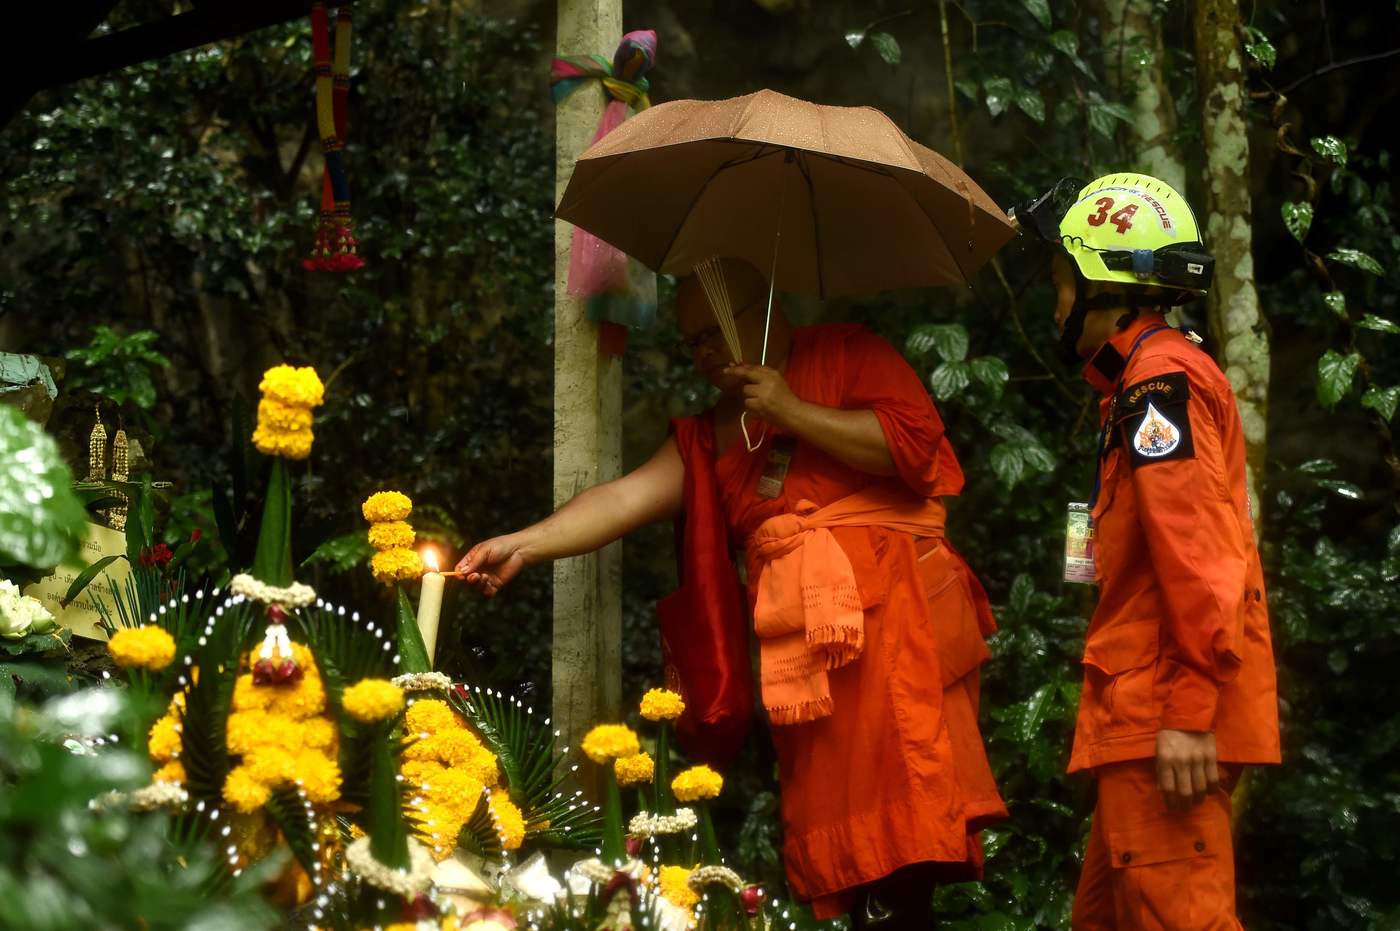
(590,520)
(854,437)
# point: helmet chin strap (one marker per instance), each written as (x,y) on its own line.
(1068,348)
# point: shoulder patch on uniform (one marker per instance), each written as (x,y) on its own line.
(1161,390)
(1156,434)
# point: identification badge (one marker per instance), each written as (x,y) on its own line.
(1079,544)
(770,484)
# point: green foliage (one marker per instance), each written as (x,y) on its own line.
(118,367)
(41,521)
(65,864)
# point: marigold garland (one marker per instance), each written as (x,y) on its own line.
(386,506)
(634,770)
(172,772)
(396,565)
(245,793)
(284,413)
(510,823)
(429,716)
(696,783)
(163,741)
(146,647)
(675,886)
(662,705)
(607,742)
(372,700)
(391,534)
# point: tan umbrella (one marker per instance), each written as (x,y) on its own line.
(832,200)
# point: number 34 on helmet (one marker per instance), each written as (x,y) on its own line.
(1128,229)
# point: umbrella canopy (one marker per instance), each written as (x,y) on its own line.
(837,200)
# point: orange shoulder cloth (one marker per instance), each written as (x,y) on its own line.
(808,615)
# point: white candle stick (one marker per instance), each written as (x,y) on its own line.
(430,604)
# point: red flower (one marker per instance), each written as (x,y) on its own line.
(156,556)
(195,534)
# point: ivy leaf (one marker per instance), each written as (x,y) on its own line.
(1297,217)
(1040,9)
(887,47)
(1356,259)
(992,372)
(1022,587)
(1337,302)
(1259,47)
(1334,376)
(855,37)
(1379,324)
(1007,464)
(1382,400)
(1332,149)
(1065,41)
(948,379)
(948,339)
(1103,113)
(1030,103)
(967,87)
(999,93)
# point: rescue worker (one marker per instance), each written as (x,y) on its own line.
(1179,691)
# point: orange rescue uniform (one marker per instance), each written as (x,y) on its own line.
(897,773)
(1180,637)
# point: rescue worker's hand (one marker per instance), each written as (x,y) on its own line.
(491,564)
(1186,767)
(766,393)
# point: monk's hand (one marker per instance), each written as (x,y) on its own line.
(1187,768)
(766,393)
(491,564)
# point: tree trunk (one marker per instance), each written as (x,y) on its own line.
(1236,323)
(587,677)
(1135,61)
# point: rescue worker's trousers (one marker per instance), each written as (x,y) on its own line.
(1151,869)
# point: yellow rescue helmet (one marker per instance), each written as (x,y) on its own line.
(1136,230)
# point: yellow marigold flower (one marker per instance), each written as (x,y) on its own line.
(319,776)
(698,782)
(164,739)
(391,535)
(145,647)
(301,700)
(250,697)
(385,506)
(634,770)
(173,771)
(418,772)
(429,716)
(455,747)
(453,790)
(372,700)
(609,741)
(244,792)
(662,705)
(300,387)
(390,566)
(245,730)
(675,886)
(284,444)
(278,415)
(510,823)
(274,767)
(318,734)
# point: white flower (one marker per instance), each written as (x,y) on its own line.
(645,824)
(422,682)
(295,595)
(723,875)
(407,883)
(21,615)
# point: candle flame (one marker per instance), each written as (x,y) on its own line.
(430,559)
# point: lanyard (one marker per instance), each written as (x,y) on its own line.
(1112,412)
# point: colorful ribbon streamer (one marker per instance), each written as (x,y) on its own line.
(620,292)
(335,249)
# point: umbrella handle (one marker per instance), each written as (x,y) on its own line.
(768,317)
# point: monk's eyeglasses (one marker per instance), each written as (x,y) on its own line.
(692,344)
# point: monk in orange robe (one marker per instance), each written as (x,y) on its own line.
(871,628)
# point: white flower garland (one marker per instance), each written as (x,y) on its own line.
(703,876)
(407,883)
(595,870)
(645,824)
(295,595)
(422,682)
(159,795)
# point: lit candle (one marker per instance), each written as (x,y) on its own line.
(430,602)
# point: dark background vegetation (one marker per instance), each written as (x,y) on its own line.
(152,225)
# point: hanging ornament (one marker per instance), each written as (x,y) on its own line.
(121,472)
(336,248)
(275,664)
(97,448)
(620,292)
